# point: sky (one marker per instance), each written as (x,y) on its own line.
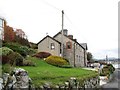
(94,22)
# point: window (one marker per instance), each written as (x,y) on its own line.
(52,46)
(77,57)
(69,45)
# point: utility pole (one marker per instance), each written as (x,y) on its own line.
(107,59)
(62,34)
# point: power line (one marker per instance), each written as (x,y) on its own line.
(45,2)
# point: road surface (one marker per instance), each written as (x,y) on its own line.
(114,84)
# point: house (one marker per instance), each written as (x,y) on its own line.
(75,52)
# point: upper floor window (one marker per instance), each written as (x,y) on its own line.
(68,45)
(52,46)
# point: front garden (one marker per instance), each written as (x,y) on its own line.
(54,70)
(44,72)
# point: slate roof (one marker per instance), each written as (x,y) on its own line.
(84,45)
(70,39)
(49,37)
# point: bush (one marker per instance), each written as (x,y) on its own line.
(7,68)
(57,61)
(28,63)
(17,48)
(107,70)
(16,59)
(42,55)
(23,50)
(111,68)
(11,57)
(5,51)
(31,51)
(4,59)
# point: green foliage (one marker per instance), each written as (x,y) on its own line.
(107,70)
(7,68)
(11,57)
(56,60)
(22,41)
(5,51)
(17,48)
(111,68)
(23,50)
(16,59)
(28,63)
(44,72)
(33,45)
(89,56)
(31,51)
(65,66)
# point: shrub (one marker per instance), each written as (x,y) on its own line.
(4,54)
(28,63)
(16,59)
(7,68)
(23,50)
(17,48)
(107,70)
(56,60)
(31,51)
(110,68)
(42,55)
(5,51)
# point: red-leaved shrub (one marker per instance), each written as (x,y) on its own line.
(42,55)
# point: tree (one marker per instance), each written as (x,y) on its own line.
(89,56)
(8,34)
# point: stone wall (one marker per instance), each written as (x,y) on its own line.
(19,79)
(74,83)
(16,80)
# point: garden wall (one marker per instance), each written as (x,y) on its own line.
(74,83)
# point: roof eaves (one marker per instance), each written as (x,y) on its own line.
(49,37)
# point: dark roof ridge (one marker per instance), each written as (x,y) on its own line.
(49,37)
(70,39)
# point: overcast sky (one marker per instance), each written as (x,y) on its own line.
(94,22)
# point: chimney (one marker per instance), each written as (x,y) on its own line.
(65,32)
(75,40)
(70,36)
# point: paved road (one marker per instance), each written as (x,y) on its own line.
(114,84)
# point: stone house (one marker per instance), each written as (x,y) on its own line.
(75,52)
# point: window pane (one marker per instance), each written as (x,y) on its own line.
(52,46)
(68,44)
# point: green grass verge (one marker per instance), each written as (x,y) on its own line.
(43,72)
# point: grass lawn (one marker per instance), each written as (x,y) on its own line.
(44,72)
